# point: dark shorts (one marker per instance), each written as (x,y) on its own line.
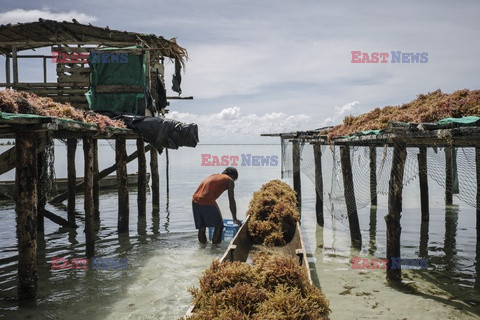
(206,216)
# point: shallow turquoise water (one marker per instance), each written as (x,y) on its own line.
(164,257)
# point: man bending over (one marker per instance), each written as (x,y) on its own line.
(205,209)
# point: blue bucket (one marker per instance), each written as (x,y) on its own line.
(230,229)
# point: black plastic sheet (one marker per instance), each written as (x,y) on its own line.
(163,132)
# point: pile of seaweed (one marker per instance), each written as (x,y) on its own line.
(431,107)
(273,214)
(13,101)
(274,287)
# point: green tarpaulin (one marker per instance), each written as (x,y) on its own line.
(127,73)
(470,120)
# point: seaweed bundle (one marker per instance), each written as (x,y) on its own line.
(273,214)
(13,101)
(274,287)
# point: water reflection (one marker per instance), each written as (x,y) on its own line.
(167,218)
(373,231)
(449,247)
(477,266)
(167,207)
(424,226)
(142,229)
(155,221)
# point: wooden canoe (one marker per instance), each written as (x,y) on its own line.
(241,248)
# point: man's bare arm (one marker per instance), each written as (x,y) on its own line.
(231,200)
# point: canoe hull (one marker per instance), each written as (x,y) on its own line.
(242,249)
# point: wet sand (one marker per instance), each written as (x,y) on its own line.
(366,294)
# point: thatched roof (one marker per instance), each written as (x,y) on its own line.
(44,33)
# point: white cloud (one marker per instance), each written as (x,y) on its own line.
(231,123)
(351,108)
(21,16)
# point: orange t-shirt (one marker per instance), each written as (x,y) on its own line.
(210,189)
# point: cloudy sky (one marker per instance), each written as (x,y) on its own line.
(275,66)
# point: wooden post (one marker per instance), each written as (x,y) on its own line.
(373,175)
(41,188)
(448,176)
(392,219)
(89,202)
(317,153)
(297,184)
(123,209)
(349,193)
(477,162)
(7,69)
(142,179)
(15,64)
(102,174)
(26,209)
(96,183)
(423,178)
(155,179)
(44,69)
(71,177)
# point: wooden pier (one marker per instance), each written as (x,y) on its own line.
(68,42)
(401,137)
(30,206)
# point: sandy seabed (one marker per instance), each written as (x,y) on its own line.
(366,294)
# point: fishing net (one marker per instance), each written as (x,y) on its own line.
(463,179)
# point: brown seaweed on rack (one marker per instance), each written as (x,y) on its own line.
(21,102)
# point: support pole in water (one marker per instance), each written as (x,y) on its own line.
(477,162)
(123,210)
(96,183)
(423,179)
(392,219)
(297,184)
(142,179)
(349,192)
(448,175)
(71,178)
(88,194)
(317,152)
(373,175)
(41,185)
(155,179)
(26,209)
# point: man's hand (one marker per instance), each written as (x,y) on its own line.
(237,222)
